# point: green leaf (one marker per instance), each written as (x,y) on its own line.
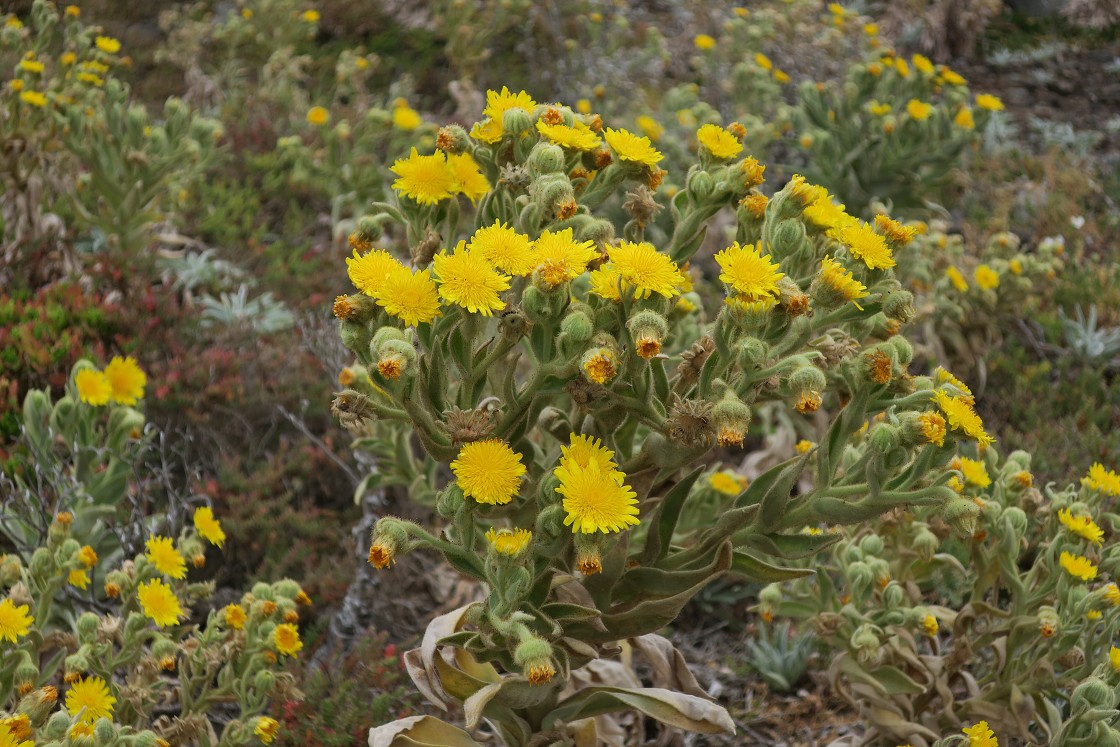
(665,518)
(748,566)
(779,484)
(686,712)
(420,731)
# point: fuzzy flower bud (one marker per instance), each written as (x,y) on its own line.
(648,329)
(517,120)
(731,417)
(600,365)
(452,139)
(701,186)
(961,514)
(577,326)
(534,656)
(11,570)
(1093,693)
(88,623)
(1047,621)
(866,643)
(545,158)
(899,305)
(806,385)
(396,358)
(752,353)
(925,543)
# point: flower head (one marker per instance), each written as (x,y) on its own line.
(895,231)
(929,624)
(1114,658)
(209,528)
(14,621)
(919,110)
(932,426)
(78,577)
(577,137)
(584,450)
(235,616)
(87,556)
(957,279)
(107,44)
(406,118)
(596,500)
(488,471)
(426,179)
(866,245)
(409,296)
(600,365)
(508,541)
(980,735)
(836,277)
(93,387)
(90,697)
(1082,526)
(467,279)
(162,554)
(964,119)
(633,148)
(469,179)
(560,251)
(504,248)
(647,270)
(266,729)
(126,380)
(752,275)
(962,417)
(368,271)
(989,102)
(719,142)
(986,277)
(1103,480)
(704,42)
(318,116)
(727,483)
(159,603)
(286,639)
(1078,566)
(974,471)
(498,103)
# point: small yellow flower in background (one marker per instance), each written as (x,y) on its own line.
(719,142)
(989,102)
(750,274)
(878,109)
(466,279)
(425,179)
(1112,594)
(87,556)
(704,42)
(986,277)
(162,554)
(1015,266)
(956,278)
(31,66)
(16,85)
(596,500)
(964,119)
(871,29)
(34,98)
(631,147)
(92,79)
(266,729)
(235,616)
(1078,566)
(962,417)
(508,541)
(468,177)
(650,127)
(763,61)
(309,16)
(952,77)
(505,248)
(727,483)
(1114,658)
(740,11)
(126,380)
(919,110)
(209,528)
(406,118)
(107,44)
(318,116)
(1082,526)
(499,102)
(1104,480)
(1093,615)
(974,471)
(895,231)
(91,698)
(583,106)
(922,64)
(981,736)
(14,621)
(93,387)
(867,246)
(286,639)
(781,76)
(840,280)
(73,11)
(159,603)
(78,577)
(956,485)
(804,446)
(929,624)
(488,471)
(902,68)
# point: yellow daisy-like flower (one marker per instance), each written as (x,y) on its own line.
(932,426)
(952,77)
(879,109)
(752,275)
(804,446)
(91,698)
(409,296)
(600,366)
(93,387)
(867,246)
(964,119)
(649,271)
(974,471)
(1112,594)
(942,376)
(989,102)
(209,528)
(126,380)
(633,148)
(318,116)
(918,110)
(704,42)
(895,231)
(980,735)
(727,483)
(469,179)
(1082,526)
(922,64)
(159,603)
(466,279)
(14,621)
(87,556)
(583,450)
(650,127)
(1114,658)
(266,729)
(902,68)
(596,500)
(488,131)
(235,616)
(425,179)
(31,66)
(1104,480)
(107,44)
(562,251)
(508,541)
(836,277)
(286,639)
(406,118)
(986,277)
(1078,566)
(506,249)
(957,279)
(78,577)
(92,79)
(827,215)
(580,137)
(962,417)
(719,142)
(162,554)
(606,282)
(498,103)
(763,61)
(309,16)
(12,733)
(929,624)
(488,471)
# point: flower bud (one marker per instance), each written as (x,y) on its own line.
(925,543)
(134,626)
(648,329)
(42,564)
(701,185)
(11,570)
(1093,693)
(57,726)
(893,595)
(517,120)
(88,623)
(546,158)
(26,673)
(899,305)
(903,350)
(884,438)
(1047,621)
(452,139)
(1016,520)
(731,417)
(961,514)
(450,500)
(104,732)
(860,576)
(38,703)
(866,643)
(264,681)
(396,358)
(389,536)
(599,365)
(788,238)
(872,544)
(534,656)
(355,336)
(513,324)
(752,353)
(589,558)
(577,325)
(598,230)
(806,384)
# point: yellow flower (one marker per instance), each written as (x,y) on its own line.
(989,102)
(826,214)
(564,253)
(469,179)
(318,116)
(981,736)
(1094,615)
(640,265)
(781,76)
(78,577)
(1112,594)
(836,277)
(209,528)
(162,554)
(596,500)
(14,621)
(266,729)
(15,729)
(922,64)
(409,296)
(952,77)
(87,556)
(126,380)
(310,16)
(918,110)
(488,471)
(932,426)
(91,698)
(600,365)
(286,639)
(90,78)
(235,616)
(579,137)
(902,68)
(406,118)
(31,66)
(1015,266)
(878,109)
(1078,566)
(488,131)
(895,231)
(866,245)
(631,147)
(719,142)
(942,376)
(929,624)
(159,603)
(750,274)
(508,541)
(1082,526)
(871,29)
(583,106)
(1104,480)
(466,279)
(763,61)
(107,44)
(498,103)
(704,42)
(368,271)
(727,483)
(73,11)
(426,179)
(956,278)
(962,417)
(649,127)
(93,387)
(974,471)
(583,450)
(505,248)
(964,119)
(986,277)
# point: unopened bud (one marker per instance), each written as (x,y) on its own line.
(545,158)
